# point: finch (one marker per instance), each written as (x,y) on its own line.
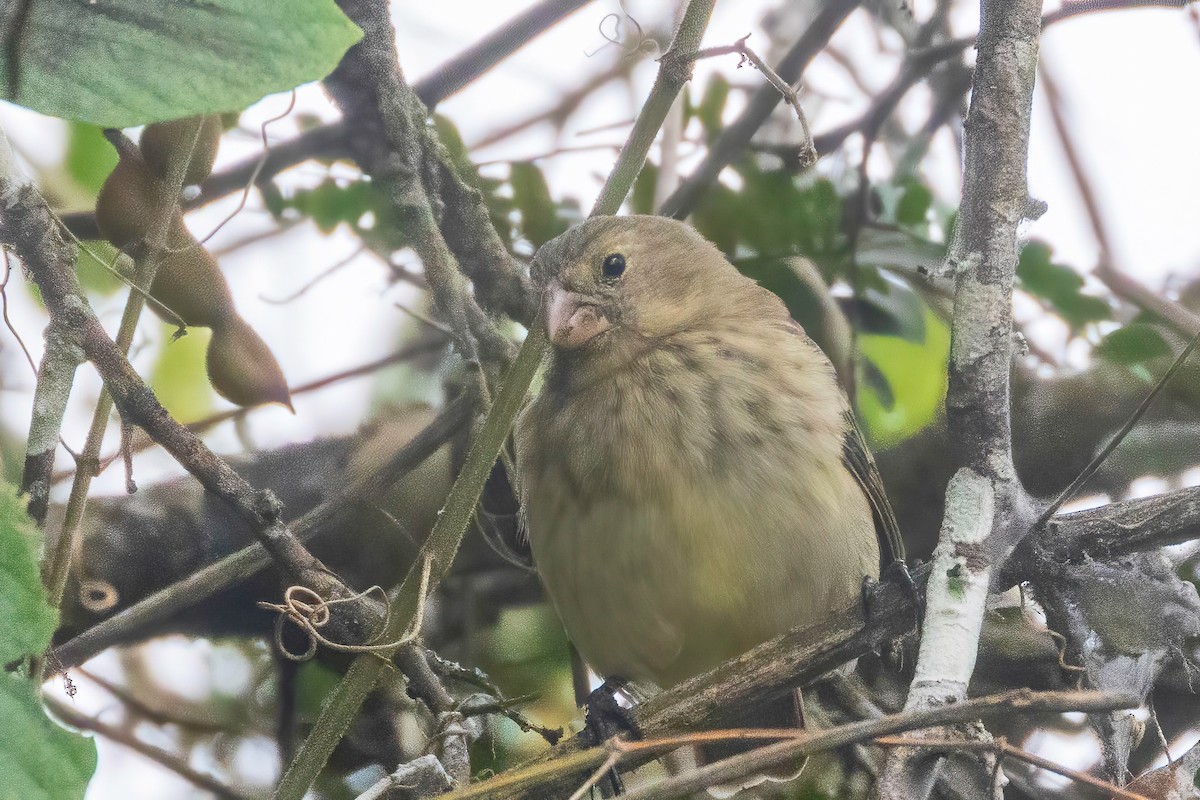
(692,478)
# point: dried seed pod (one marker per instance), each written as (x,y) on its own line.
(163,143)
(129,202)
(189,282)
(242,368)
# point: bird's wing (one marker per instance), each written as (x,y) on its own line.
(861,464)
(858,459)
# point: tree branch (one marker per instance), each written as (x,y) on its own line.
(736,136)
(443,541)
(29,227)
(985,502)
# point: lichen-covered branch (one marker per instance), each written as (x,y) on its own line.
(987,511)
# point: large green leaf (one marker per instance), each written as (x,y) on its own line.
(118,63)
(38,759)
(27,621)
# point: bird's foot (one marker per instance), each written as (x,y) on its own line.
(897,574)
(606,718)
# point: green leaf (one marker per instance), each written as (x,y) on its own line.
(42,761)
(90,158)
(92,275)
(118,63)
(914,373)
(330,204)
(540,221)
(914,204)
(1060,286)
(711,108)
(887,308)
(39,759)
(1133,344)
(28,620)
(179,377)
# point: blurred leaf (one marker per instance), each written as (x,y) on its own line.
(914,203)
(28,620)
(903,252)
(872,378)
(1132,344)
(127,62)
(314,682)
(887,308)
(782,279)
(641,199)
(179,377)
(1060,286)
(915,377)
(540,221)
(90,158)
(329,204)
(711,108)
(94,278)
(39,758)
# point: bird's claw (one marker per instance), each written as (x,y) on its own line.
(897,574)
(605,719)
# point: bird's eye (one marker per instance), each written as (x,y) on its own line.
(614,265)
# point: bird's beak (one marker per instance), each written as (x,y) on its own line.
(572,319)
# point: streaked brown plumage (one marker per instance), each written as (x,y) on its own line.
(692,479)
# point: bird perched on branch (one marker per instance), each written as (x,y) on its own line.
(692,477)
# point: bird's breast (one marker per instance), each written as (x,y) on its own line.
(691,506)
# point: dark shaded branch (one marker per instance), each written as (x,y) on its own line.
(254,558)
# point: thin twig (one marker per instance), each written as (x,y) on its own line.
(1002,748)
(414,350)
(543,778)
(159,756)
(325,273)
(808,154)
(1097,460)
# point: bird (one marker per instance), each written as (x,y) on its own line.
(691,475)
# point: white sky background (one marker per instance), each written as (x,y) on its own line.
(1131,82)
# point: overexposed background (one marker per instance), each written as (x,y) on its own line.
(1131,89)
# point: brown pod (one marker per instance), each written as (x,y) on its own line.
(189,282)
(129,202)
(242,368)
(163,143)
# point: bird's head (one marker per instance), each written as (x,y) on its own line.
(611,279)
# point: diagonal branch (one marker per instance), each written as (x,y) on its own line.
(28,226)
(348,696)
